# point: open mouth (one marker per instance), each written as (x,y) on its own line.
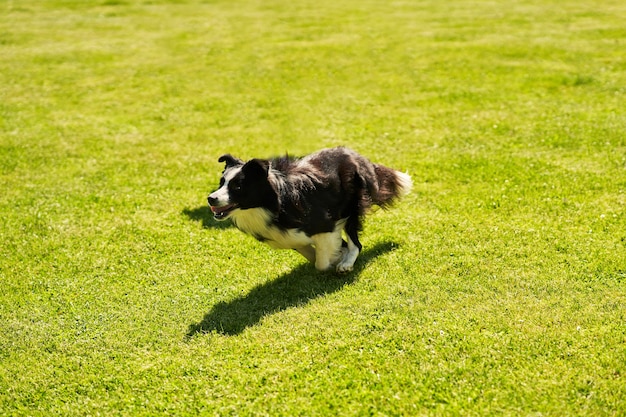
(222,212)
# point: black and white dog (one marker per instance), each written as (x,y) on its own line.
(305,204)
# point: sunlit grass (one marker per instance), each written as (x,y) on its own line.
(497,287)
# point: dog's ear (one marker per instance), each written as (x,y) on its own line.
(256,167)
(230,160)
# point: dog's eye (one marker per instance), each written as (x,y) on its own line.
(235,186)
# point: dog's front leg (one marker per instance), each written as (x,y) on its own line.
(308,252)
(327,249)
(348,257)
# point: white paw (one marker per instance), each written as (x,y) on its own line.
(344,267)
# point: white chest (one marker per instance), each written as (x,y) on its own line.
(256,222)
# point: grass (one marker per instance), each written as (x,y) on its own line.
(497,288)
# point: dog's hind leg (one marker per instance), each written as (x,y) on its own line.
(308,252)
(354,246)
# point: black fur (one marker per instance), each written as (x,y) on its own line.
(311,194)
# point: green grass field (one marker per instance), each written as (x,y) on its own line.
(498,287)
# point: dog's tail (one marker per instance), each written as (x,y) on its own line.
(391,185)
(384,186)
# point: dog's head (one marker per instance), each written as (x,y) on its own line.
(242,186)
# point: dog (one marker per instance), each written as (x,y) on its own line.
(307,203)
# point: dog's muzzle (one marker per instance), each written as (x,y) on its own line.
(222,212)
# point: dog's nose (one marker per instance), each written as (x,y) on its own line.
(212,201)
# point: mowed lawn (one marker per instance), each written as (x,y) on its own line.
(498,287)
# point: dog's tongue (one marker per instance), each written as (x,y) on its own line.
(221,209)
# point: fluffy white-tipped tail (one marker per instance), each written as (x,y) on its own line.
(404,183)
(392,185)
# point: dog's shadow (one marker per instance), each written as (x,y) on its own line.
(295,288)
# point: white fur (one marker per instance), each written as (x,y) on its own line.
(405,182)
(349,257)
(256,221)
(222,193)
(326,249)
(323,249)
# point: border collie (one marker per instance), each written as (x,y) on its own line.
(305,204)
